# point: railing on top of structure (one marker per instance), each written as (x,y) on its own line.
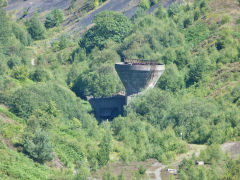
(140,62)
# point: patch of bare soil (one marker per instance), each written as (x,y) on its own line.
(5,118)
(219,8)
(56,163)
(233,148)
(117,168)
(3,106)
(154,169)
(32,6)
(7,143)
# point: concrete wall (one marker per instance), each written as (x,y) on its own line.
(107,108)
(136,79)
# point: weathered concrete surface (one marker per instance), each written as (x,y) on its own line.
(107,108)
(138,78)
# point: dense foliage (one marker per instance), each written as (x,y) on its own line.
(47,130)
(54,18)
(36,28)
(108,25)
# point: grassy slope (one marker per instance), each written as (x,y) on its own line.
(14,165)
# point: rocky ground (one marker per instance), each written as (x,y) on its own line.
(32,6)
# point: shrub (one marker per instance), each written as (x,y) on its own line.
(36,28)
(40,75)
(196,15)
(21,34)
(161,12)
(38,147)
(14,61)
(54,18)
(100,83)
(24,101)
(140,12)
(20,73)
(3,3)
(225,19)
(238,20)
(197,33)
(145,4)
(83,170)
(171,79)
(96,3)
(5,28)
(61,44)
(174,9)
(187,22)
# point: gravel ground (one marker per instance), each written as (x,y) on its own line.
(128,7)
(233,148)
(19,6)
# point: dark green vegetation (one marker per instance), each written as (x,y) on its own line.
(48,131)
(54,18)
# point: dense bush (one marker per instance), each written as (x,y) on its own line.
(54,18)
(197,96)
(101,83)
(27,99)
(40,75)
(20,73)
(22,34)
(38,147)
(5,29)
(172,79)
(101,79)
(108,25)
(143,141)
(3,3)
(36,28)
(145,4)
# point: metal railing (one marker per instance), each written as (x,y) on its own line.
(140,62)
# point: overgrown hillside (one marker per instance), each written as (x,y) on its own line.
(47,71)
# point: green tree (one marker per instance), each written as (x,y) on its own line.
(199,69)
(105,146)
(38,147)
(54,18)
(14,61)
(20,73)
(40,75)
(36,28)
(83,170)
(21,34)
(172,79)
(145,4)
(174,9)
(25,100)
(96,3)
(5,28)
(3,3)
(108,25)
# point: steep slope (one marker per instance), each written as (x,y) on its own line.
(20,7)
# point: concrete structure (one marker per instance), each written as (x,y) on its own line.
(107,108)
(138,75)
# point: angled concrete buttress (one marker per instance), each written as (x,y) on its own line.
(138,75)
